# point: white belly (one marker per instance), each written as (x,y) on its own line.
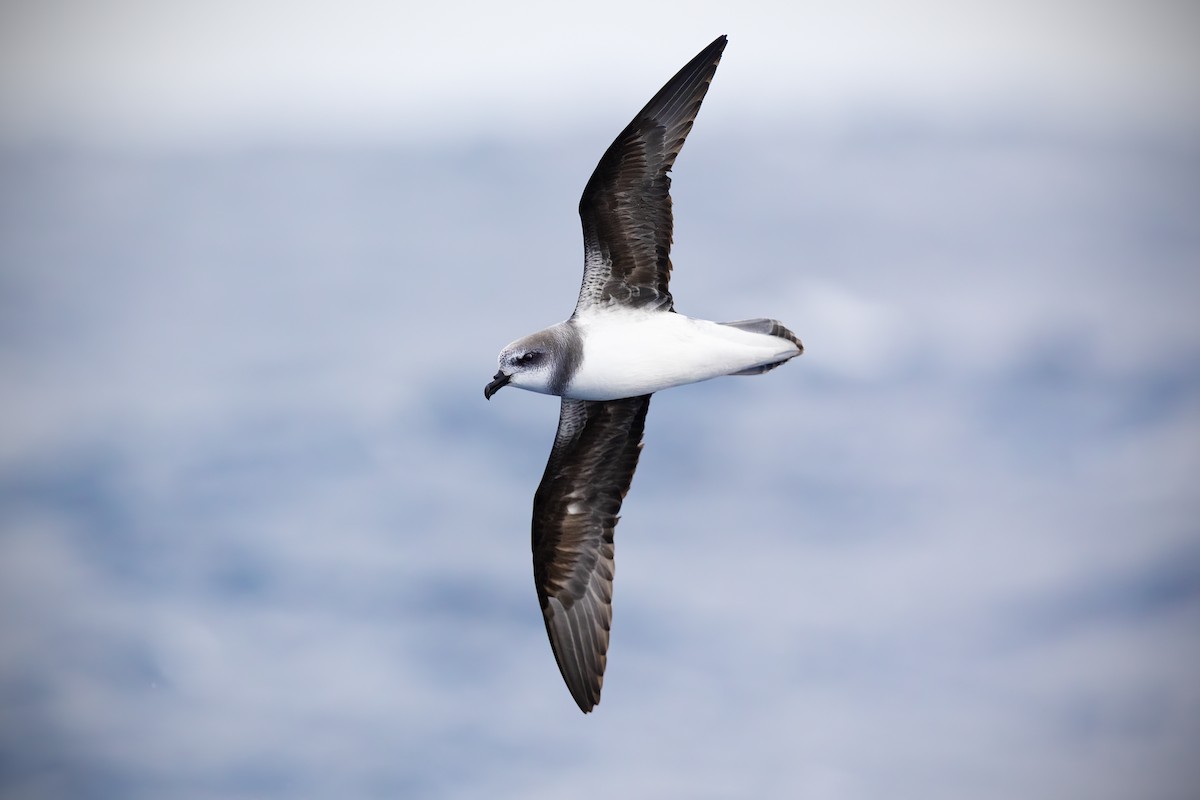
(630,353)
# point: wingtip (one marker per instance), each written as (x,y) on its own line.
(586,696)
(714,49)
(587,701)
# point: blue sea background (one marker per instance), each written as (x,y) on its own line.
(261,535)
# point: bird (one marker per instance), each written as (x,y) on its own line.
(623,342)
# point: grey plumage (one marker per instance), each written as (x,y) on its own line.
(627,232)
(623,342)
(626,204)
(574,515)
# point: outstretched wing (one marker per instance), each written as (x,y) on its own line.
(574,513)
(626,205)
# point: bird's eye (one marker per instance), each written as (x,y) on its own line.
(528,358)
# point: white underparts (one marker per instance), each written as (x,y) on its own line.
(629,352)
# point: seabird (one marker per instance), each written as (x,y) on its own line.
(623,342)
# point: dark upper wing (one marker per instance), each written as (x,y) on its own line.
(574,513)
(626,205)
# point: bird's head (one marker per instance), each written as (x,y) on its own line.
(527,363)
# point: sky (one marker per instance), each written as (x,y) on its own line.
(261,535)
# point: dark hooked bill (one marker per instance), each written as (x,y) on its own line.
(499,381)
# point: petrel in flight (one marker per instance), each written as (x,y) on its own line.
(623,342)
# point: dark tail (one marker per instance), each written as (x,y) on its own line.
(771,327)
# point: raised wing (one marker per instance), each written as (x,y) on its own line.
(574,513)
(626,205)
